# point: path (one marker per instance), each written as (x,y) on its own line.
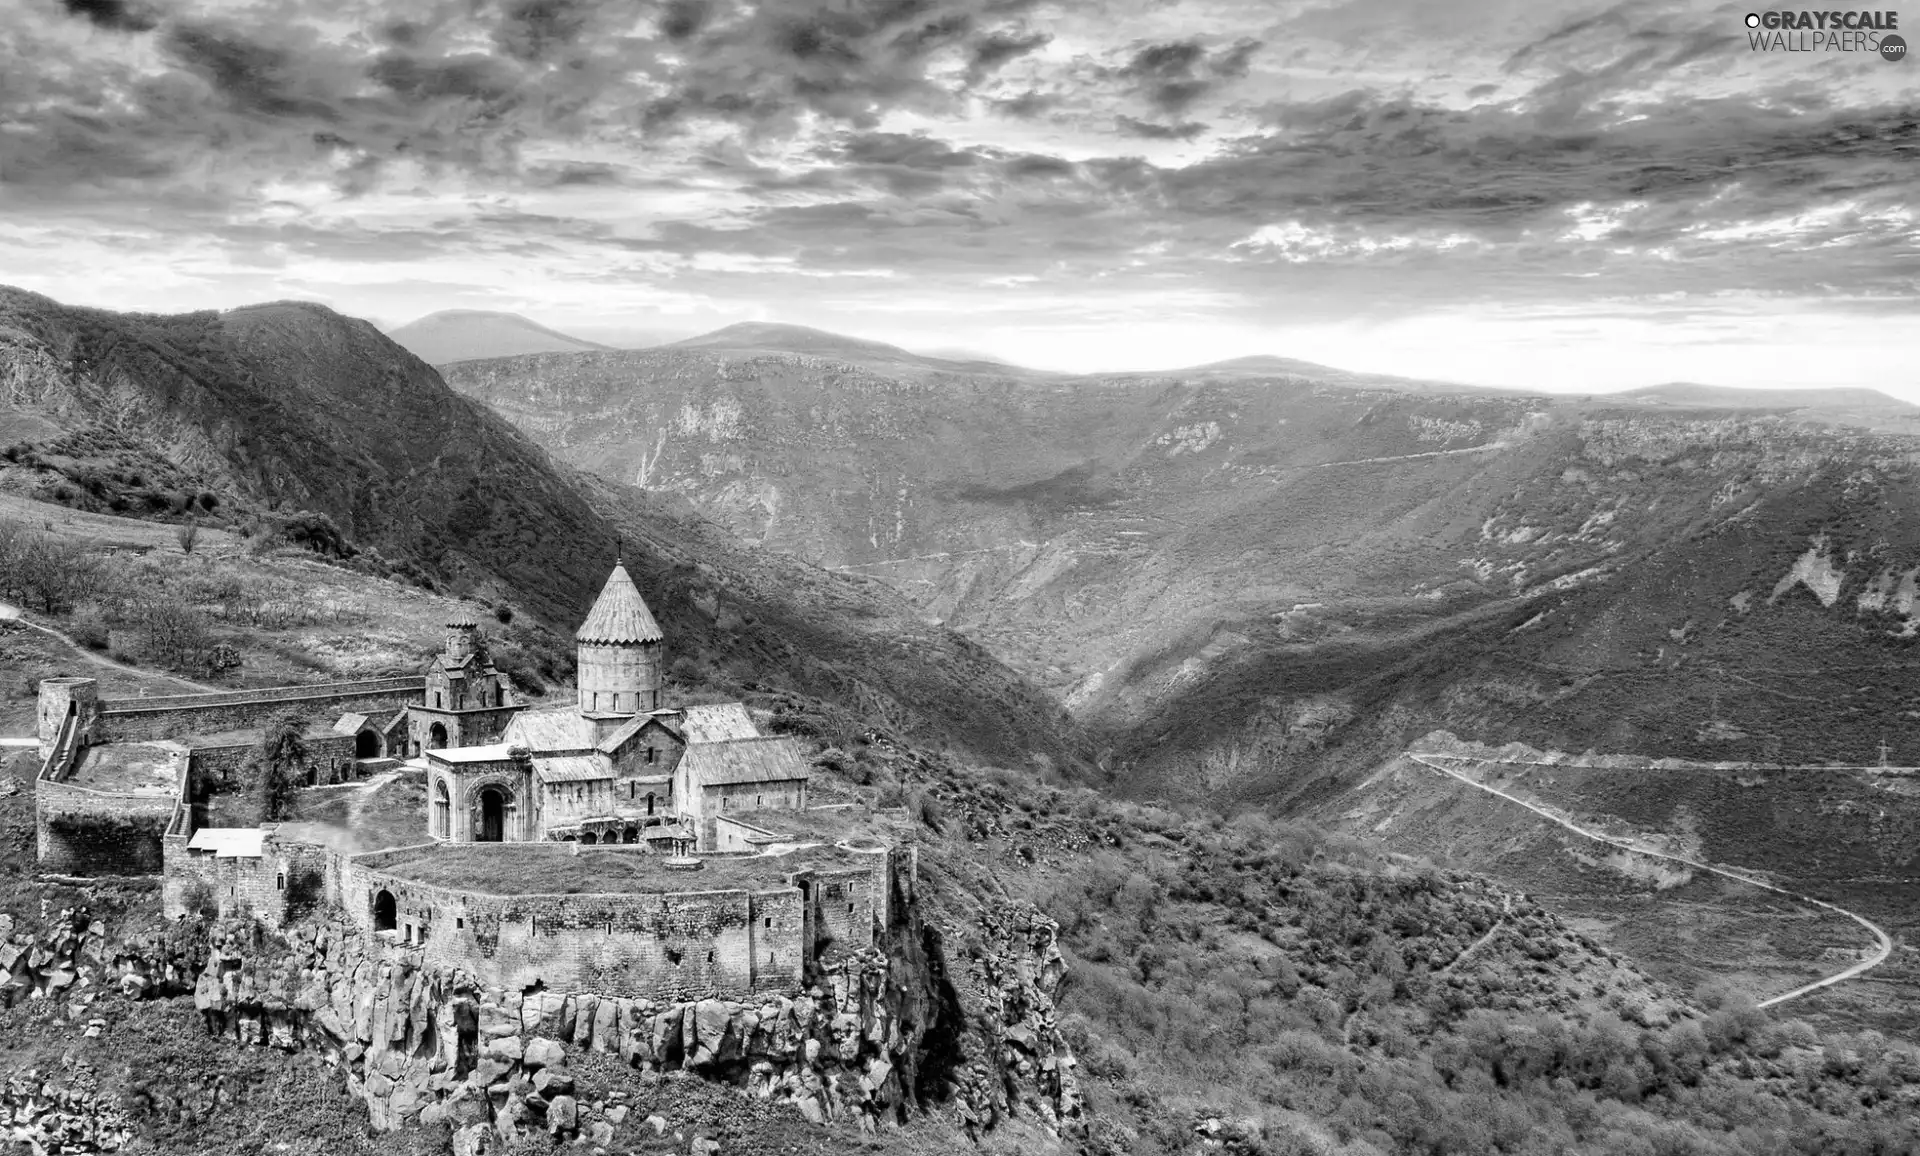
(11,613)
(1411,457)
(1880,953)
(365,794)
(1506,909)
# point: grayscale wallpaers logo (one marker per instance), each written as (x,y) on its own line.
(1830,31)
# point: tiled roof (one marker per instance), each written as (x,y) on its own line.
(555,729)
(717,722)
(772,759)
(619,615)
(571,768)
(349,724)
(623,734)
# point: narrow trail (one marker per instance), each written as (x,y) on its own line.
(11,613)
(1488,448)
(1878,957)
(1506,909)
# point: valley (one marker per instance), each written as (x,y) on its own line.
(1158,677)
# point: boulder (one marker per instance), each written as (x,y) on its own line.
(552,1082)
(543,1053)
(563,1114)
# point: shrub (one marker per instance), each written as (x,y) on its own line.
(209,501)
(503,613)
(90,628)
(187,535)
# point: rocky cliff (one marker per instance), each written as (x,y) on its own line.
(879,1036)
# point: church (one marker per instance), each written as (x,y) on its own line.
(614,766)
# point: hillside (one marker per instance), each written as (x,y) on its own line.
(1285,578)
(290,408)
(463,334)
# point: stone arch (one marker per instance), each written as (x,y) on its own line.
(386,911)
(589,838)
(442,810)
(437,736)
(491,804)
(367,745)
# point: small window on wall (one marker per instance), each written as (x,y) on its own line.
(616,702)
(460,921)
(709,957)
(280,882)
(652,754)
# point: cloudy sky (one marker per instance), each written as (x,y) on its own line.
(1521,192)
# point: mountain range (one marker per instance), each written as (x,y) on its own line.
(1267,562)
(291,407)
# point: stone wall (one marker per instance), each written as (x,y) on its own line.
(82,832)
(688,944)
(181,716)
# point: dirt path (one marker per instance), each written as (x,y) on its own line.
(1506,909)
(1880,953)
(11,613)
(1489,447)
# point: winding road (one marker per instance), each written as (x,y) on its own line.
(1878,957)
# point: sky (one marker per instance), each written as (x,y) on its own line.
(1538,194)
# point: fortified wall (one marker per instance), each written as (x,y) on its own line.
(122,720)
(732,926)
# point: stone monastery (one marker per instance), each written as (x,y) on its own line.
(642,848)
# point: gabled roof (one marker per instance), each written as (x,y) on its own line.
(619,615)
(571,768)
(558,728)
(717,722)
(623,734)
(772,759)
(349,724)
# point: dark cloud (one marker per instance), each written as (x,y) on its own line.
(997,48)
(118,15)
(531,30)
(252,76)
(1145,130)
(1173,75)
(682,18)
(474,76)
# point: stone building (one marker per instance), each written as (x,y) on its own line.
(464,702)
(614,766)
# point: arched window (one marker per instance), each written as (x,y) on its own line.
(385,911)
(649,802)
(616,702)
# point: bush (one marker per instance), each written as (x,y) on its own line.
(90,628)
(187,535)
(503,613)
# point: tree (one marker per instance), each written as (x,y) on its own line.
(282,762)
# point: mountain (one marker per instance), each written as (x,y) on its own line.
(292,407)
(1282,578)
(750,338)
(1867,408)
(463,334)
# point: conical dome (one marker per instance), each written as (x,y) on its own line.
(619,615)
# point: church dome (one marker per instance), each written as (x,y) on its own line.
(619,616)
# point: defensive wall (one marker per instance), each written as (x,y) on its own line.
(180,715)
(758,926)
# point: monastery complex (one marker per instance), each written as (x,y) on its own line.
(615,844)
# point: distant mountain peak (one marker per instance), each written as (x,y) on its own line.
(794,338)
(472,334)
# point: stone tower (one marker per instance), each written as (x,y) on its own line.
(620,663)
(61,697)
(462,639)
